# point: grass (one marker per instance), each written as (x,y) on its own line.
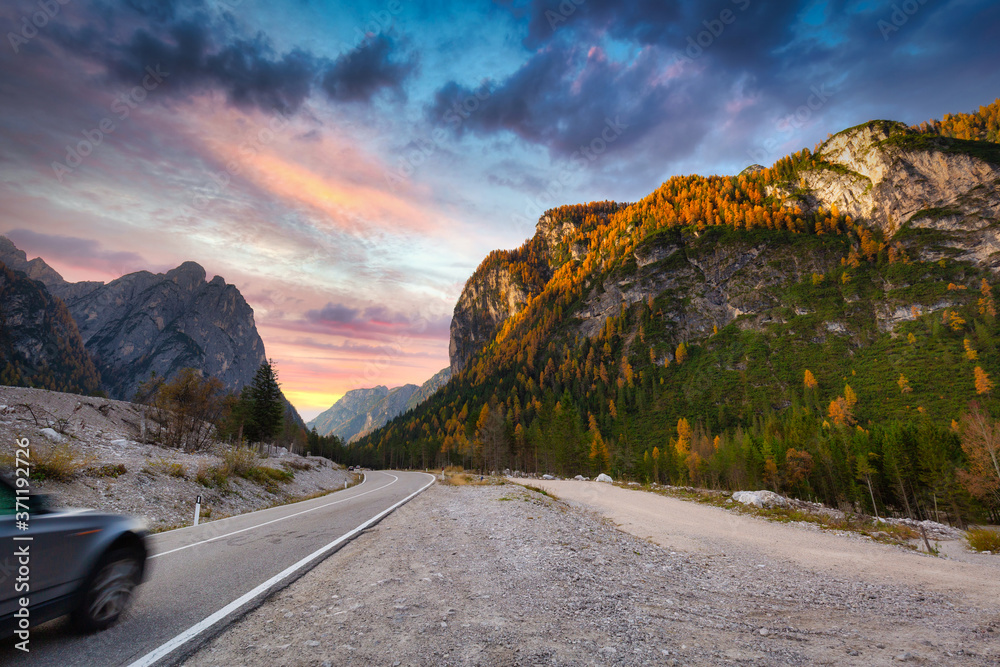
(983,539)
(456,476)
(541,491)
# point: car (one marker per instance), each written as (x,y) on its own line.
(79,562)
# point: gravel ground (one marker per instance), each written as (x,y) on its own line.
(99,432)
(502,575)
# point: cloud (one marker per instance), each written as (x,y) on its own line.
(333,313)
(200,51)
(76,251)
(363,72)
(372,323)
(567,98)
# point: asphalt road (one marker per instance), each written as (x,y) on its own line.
(197,571)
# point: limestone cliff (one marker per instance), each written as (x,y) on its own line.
(143,323)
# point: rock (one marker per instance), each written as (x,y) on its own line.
(760,499)
(905,656)
(763,632)
(580,478)
(547,477)
(603,478)
(53,436)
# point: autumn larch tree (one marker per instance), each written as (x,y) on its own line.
(981,444)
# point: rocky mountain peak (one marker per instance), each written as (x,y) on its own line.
(188,275)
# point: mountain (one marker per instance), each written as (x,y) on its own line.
(39,342)
(428,389)
(361,411)
(799,327)
(145,322)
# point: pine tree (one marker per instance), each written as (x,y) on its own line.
(265,409)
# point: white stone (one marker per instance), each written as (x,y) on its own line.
(761,498)
(547,477)
(53,436)
(603,478)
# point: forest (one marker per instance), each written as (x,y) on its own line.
(897,421)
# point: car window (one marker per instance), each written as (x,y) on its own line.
(7,499)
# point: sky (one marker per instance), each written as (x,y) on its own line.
(348,165)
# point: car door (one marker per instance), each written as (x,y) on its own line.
(56,544)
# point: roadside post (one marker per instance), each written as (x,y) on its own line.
(197,510)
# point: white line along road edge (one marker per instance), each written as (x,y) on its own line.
(280,518)
(156,654)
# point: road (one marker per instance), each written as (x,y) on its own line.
(197,571)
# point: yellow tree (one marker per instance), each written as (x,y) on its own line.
(904,384)
(970,352)
(840,412)
(810,380)
(681,354)
(683,445)
(849,396)
(656,464)
(981,444)
(983,382)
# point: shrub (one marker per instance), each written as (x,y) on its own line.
(166,467)
(297,464)
(107,470)
(983,539)
(59,463)
(240,461)
(214,477)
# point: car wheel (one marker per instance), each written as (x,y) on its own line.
(107,592)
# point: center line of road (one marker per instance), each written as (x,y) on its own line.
(153,656)
(281,518)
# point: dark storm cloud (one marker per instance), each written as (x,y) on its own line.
(706,68)
(568,98)
(371,67)
(201,52)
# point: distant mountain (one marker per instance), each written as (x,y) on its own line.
(428,388)
(361,411)
(144,322)
(39,342)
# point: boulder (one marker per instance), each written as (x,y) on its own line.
(547,477)
(53,436)
(580,478)
(760,499)
(603,478)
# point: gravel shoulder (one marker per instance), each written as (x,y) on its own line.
(696,528)
(503,575)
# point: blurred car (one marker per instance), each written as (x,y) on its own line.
(81,562)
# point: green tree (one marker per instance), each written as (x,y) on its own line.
(264,408)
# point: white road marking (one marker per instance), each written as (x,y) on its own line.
(156,654)
(259,525)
